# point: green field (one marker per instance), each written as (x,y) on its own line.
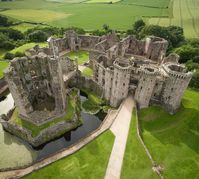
(25,26)
(86,15)
(136,163)
(88,163)
(173,140)
(92,14)
(185,14)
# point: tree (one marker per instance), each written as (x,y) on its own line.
(4,22)
(38,36)
(195,80)
(138,25)
(8,56)
(105,27)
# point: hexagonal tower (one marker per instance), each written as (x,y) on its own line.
(146,85)
(37,86)
(120,83)
(176,82)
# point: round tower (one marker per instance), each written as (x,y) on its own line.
(146,85)
(120,82)
(176,82)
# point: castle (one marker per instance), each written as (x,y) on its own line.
(130,66)
(120,67)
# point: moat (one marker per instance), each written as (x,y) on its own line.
(26,153)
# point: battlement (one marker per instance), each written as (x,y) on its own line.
(176,70)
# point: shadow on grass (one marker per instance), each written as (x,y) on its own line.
(182,127)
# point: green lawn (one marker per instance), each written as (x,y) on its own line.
(81,55)
(173,140)
(27,46)
(88,163)
(88,72)
(136,163)
(37,129)
(3,65)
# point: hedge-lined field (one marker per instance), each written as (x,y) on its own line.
(185,14)
(90,16)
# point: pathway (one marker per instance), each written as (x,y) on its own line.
(120,128)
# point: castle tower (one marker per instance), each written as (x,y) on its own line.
(120,82)
(37,86)
(177,80)
(146,85)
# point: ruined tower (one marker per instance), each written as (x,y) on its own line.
(37,86)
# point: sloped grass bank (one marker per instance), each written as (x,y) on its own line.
(94,103)
(173,140)
(136,163)
(89,162)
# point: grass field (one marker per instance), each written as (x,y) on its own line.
(102,1)
(86,15)
(185,14)
(173,140)
(136,163)
(88,163)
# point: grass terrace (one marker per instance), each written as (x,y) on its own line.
(71,105)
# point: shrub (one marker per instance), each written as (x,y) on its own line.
(9,56)
(38,36)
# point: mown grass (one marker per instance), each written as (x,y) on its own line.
(35,130)
(81,55)
(136,163)
(88,72)
(89,162)
(173,140)
(3,66)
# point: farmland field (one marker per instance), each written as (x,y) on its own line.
(185,14)
(92,14)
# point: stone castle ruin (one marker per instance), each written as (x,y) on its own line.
(39,82)
(138,67)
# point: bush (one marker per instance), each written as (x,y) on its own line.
(38,36)
(19,54)
(8,56)
(4,22)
